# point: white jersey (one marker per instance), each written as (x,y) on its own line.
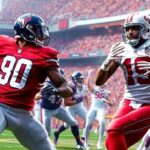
(99,97)
(137,86)
(83,91)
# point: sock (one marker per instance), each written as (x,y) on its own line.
(75,132)
(61,129)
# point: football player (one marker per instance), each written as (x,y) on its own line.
(132,119)
(97,110)
(75,104)
(25,63)
(51,106)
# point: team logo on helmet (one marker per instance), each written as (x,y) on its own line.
(23,21)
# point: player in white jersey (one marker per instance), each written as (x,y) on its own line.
(132,120)
(99,97)
(75,104)
(145,144)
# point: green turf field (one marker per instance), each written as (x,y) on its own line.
(66,142)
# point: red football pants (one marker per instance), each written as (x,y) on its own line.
(127,126)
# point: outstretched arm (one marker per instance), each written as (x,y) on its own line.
(90,81)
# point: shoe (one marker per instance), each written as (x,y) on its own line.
(86,146)
(56,136)
(81,146)
(99,146)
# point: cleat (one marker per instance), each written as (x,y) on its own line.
(81,146)
(86,146)
(99,146)
(56,136)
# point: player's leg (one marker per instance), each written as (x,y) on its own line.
(101,120)
(47,116)
(28,130)
(82,112)
(63,127)
(65,116)
(127,123)
(3,122)
(89,120)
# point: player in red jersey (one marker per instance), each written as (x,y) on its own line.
(25,63)
(132,119)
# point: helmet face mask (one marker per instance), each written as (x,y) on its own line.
(132,37)
(32,28)
(80,81)
(138,22)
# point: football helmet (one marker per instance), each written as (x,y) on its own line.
(32,28)
(140,20)
(77,78)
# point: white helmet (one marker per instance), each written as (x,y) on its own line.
(137,19)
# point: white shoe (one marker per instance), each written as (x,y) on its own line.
(99,146)
(80,147)
(86,146)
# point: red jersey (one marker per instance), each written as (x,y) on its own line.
(22,71)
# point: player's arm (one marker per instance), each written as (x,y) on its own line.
(62,86)
(75,99)
(90,81)
(110,65)
(69,101)
(102,75)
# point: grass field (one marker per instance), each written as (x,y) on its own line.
(66,142)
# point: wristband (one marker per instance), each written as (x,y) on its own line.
(104,67)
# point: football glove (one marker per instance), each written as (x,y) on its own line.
(115,52)
(144,65)
(49,89)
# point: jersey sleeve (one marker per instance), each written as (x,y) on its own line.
(51,57)
(6,40)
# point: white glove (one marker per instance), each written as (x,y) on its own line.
(115,53)
(144,65)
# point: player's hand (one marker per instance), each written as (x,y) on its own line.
(144,65)
(115,53)
(49,89)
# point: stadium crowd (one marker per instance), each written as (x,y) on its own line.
(85,9)
(86,42)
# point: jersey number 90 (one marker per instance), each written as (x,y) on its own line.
(15,72)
